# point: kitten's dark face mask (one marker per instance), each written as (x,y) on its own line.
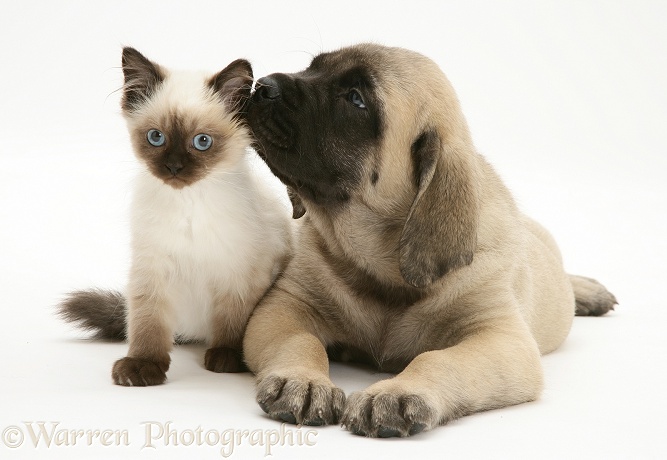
(179,154)
(181,145)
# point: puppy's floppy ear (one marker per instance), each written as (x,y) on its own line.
(298,209)
(440,233)
(233,84)
(141,78)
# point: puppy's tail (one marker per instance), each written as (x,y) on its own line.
(591,297)
(96,310)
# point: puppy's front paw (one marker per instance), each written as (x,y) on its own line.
(300,400)
(223,359)
(139,372)
(387,414)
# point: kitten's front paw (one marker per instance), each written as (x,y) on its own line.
(223,359)
(301,401)
(387,414)
(139,372)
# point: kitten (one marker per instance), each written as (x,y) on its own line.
(207,239)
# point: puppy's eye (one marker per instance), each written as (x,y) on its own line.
(202,142)
(155,137)
(355,98)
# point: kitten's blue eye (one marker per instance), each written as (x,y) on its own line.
(355,98)
(202,142)
(155,137)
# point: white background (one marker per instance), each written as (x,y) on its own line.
(567,98)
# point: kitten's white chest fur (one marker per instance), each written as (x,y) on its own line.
(218,237)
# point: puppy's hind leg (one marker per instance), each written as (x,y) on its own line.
(591,297)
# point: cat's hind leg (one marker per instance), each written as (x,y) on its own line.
(224,359)
(229,320)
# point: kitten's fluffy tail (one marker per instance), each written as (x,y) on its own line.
(96,310)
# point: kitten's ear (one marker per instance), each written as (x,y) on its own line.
(233,84)
(141,78)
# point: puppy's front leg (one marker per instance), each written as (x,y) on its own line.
(283,348)
(491,369)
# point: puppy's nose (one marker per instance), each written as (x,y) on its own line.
(267,88)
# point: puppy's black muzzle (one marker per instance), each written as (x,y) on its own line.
(300,132)
(272,125)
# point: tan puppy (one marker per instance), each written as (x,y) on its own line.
(412,255)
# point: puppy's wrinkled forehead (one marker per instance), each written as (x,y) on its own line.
(344,60)
(415,91)
(383,63)
(345,68)
(405,81)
